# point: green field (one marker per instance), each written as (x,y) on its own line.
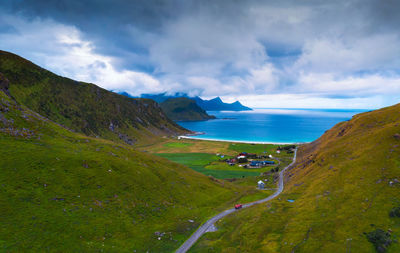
(177,145)
(210,165)
(253,148)
(202,157)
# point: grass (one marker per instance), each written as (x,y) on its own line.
(177,145)
(202,156)
(64,191)
(342,192)
(200,162)
(211,165)
(170,145)
(254,148)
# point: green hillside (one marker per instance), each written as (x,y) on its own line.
(345,193)
(84,107)
(184,109)
(67,192)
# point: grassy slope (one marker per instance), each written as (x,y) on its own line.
(184,109)
(341,187)
(84,107)
(68,192)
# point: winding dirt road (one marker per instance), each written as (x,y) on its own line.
(210,223)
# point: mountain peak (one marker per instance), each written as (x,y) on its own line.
(217,99)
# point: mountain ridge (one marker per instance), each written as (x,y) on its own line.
(84,107)
(215,104)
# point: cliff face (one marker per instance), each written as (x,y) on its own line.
(184,109)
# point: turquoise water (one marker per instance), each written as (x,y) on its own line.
(270,125)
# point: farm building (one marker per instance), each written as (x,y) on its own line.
(248,155)
(261,163)
(261,184)
(242,159)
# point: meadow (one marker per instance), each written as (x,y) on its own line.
(207,157)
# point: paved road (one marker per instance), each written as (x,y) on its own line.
(203,228)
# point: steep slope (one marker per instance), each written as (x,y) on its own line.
(184,109)
(344,187)
(84,107)
(67,192)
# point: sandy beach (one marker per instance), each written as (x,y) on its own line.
(191,137)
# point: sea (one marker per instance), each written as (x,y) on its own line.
(269,125)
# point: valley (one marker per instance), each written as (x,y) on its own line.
(85,169)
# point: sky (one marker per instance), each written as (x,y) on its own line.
(266,54)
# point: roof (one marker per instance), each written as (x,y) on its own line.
(260,182)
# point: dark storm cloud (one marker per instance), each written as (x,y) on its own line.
(121,27)
(217,47)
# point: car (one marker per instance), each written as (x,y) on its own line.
(238,206)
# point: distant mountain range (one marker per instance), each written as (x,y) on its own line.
(215,104)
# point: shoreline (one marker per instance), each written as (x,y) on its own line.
(235,141)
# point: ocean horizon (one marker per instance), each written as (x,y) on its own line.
(269,125)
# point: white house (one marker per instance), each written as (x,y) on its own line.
(261,184)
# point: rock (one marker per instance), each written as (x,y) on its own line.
(111,127)
(4,83)
(397,136)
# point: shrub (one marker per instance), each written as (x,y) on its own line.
(380,239)
(395,212)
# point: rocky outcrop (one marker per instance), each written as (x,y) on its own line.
(4,83)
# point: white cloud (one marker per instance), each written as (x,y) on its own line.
(201,45)
(61,49)
(328,85)
(332,55)
(290,100)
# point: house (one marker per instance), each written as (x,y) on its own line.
(261,163)
(261,184)
(255,163)
(251,155)
(268,162)
(242,159)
